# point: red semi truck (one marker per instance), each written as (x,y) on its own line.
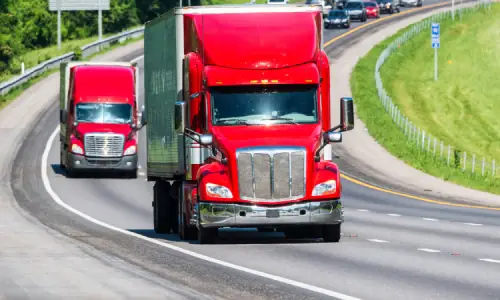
(237,105)
(98,117)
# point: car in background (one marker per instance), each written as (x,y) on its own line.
(372,9)
(337,18)
(277,1)
(340,4)
(417,3)
(356,10)
(389,6)
(325,4)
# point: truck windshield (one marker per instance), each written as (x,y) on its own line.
(103,113)
(249,105)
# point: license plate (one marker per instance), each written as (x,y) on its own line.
(272,213)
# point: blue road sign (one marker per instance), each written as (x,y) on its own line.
(435,35)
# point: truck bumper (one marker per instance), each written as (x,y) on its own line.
(238,215)
(80,162)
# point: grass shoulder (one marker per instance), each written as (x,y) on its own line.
(446,108)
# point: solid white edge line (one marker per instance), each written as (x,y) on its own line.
(430,219)
(55,197)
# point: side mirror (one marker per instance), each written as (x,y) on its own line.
(180,116)
(144,119)
(332,137)
(346,113)
(63,116)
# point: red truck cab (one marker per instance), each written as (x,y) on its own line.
(98,117)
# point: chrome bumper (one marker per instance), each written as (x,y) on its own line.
(238,215)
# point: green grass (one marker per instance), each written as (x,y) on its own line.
(460,108)
(16,92)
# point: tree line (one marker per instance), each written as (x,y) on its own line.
(28,24)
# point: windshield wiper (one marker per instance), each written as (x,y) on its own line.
(281,119)
(236,120)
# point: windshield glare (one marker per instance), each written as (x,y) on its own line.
(295,104)
(104,113)
(337,14)
(353,5)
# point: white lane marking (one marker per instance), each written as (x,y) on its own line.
(362,209)
(473,224)
(394,215)
(428,250)
(377,241)
(55,197)
(430,219)
(490,260)
(142,174)
(139,166)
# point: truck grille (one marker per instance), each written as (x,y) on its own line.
(104,144)
(271,173)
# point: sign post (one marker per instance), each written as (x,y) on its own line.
(74,5)
(436,43)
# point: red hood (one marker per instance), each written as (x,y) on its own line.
(84,128)
(233,137)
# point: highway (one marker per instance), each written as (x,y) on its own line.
(392,247)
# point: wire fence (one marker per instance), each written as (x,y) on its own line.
(431,146)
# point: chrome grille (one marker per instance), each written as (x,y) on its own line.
(104,144)
(271,173)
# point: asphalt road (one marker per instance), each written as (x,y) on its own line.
(392,247)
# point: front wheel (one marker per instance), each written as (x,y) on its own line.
(331,233)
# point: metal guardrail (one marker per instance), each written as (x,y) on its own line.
(423,141)
(52,63)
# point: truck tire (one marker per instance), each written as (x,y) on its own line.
(187,233)
(207,235)
(331,233)
(161,206)
(61,161)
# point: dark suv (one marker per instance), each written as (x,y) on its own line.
(337,18)
(356,10)
(389,6)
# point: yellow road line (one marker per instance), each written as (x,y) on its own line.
(415,197)
(386,190)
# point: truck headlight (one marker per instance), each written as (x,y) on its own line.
(131,150)
(326,188)
(218,191)
(76,149)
